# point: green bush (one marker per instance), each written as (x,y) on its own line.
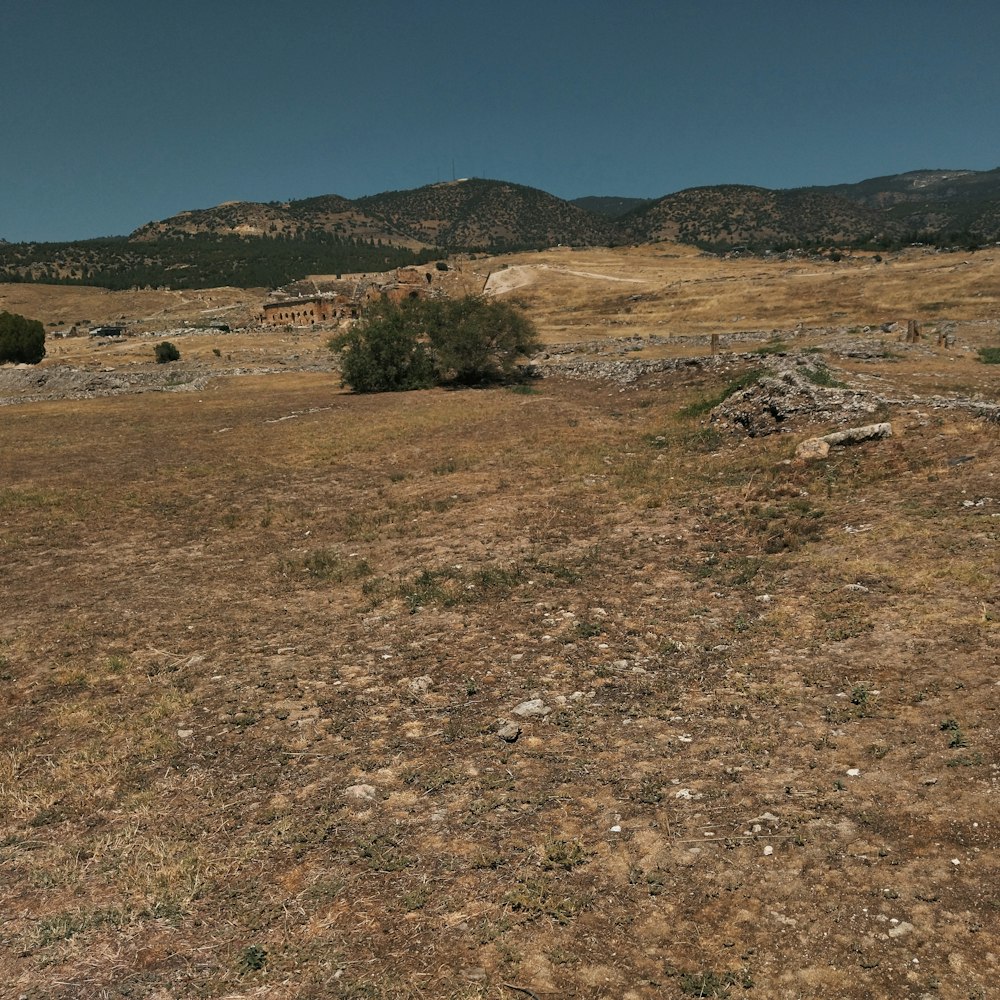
(385,351)
(21,340)
(478,340)
(419,343)
(989,355)
(166,352)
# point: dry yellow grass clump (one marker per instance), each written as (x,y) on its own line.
(551,689)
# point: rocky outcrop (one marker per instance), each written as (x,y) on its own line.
(794,386)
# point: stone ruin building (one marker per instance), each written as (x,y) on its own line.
(345,298)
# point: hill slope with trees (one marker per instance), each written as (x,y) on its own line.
(253,244)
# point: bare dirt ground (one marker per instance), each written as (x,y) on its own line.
(562,690)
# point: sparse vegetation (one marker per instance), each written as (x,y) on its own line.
(452,692)
(708,404)
(166,352)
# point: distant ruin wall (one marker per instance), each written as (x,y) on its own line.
(304,310)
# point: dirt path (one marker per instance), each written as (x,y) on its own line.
(520,275)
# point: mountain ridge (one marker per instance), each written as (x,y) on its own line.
(269,243)
(485,214)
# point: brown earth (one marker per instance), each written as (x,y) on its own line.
(261,637)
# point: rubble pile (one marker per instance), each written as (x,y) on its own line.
(793,387)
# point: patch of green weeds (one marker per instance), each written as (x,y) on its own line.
(860,694)
(702,441)
(64,926)
(416,898)
(432,781)
(450,585)
(587,630)
(564,855)
(117,663)
(169,909)
(742,569)
(786,528)
(382,853)
(326,565)
(657,882)
(651,790)
(772,347)
(957,739)
(822,376)
(253,958)
(536,898)
(989,355)
(712,984)
(703,406)
(523,389)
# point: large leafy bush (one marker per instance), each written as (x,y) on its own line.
(418,343)
(21,340)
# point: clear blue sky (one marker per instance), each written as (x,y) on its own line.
(116,112)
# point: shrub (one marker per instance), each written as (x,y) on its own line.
(21,340)
(385,352)
(165,352)
(478,340)
(989,355)
(419,343)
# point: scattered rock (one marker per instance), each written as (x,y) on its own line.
(789,390)
(508,731)
(688,794)
(361,793)
(420,685)
(812,449)
(816,448)
(535,708)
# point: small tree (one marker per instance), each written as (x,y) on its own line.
(21,340)
(385,351)
(477,340)
(166,352)
(419,343)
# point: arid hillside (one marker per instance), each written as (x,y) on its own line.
(585,686)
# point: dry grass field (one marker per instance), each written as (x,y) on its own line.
(554,690)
